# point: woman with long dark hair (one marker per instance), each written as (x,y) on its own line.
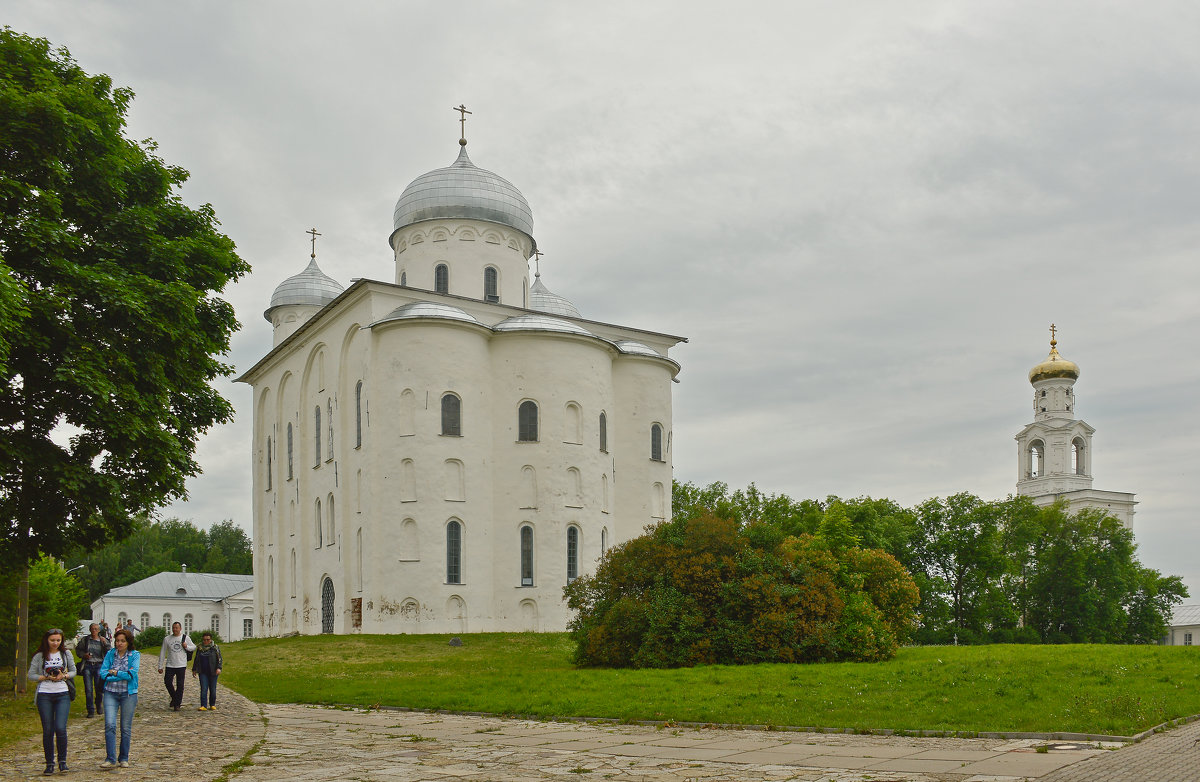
(120,672)
(51,668)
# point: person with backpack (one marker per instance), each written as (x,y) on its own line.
(91,651)
(176,649)
(206,665)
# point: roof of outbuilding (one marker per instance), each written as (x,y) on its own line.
(1185,615)
(195,586)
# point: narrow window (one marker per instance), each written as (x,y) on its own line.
(572,553)
(187,624)
(121,617)
(145,620)
(451,416)
(214,624)
(358,415)
(167,623)
(526,556)
(490,288)
(1078,462)
(1187,639)
(319,522)
(603,433)
(289,447)
(603,541)
(656,443)
(329,445)
(317,434)
(331,538)
(453,553)
(441,283)
(269,463)
(527,422)
(1036,459)
(247,628)
(293,583)
(573,431)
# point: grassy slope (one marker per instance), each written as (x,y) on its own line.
(1081,688)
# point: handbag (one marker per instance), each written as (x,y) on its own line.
(71,689)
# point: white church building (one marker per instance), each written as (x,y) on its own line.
(1054,453)
(445,450)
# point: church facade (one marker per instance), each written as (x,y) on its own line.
(1054,453)
(444,451)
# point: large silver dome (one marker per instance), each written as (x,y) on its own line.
(463,190)
(311,287)
(542,300)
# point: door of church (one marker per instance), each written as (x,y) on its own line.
(327,606)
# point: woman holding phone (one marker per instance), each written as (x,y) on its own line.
(51,667)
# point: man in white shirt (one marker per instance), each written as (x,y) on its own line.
(174,657)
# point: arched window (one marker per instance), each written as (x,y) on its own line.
(572,553)
(289,447)
(329,444)
(491,290)
(603,433)
(409,551)
(451,415)
(527,422)
(358,415)
(187,624)
(214,624)
(656,443)
(145,621)
(293,584)
(603,541)
(573,425)
(1037,456)
(318,523)
(317,435)
(121,617)
(526,555)
(604,493)
(454,552)
(331,537)
(441,278)
(167,623)
(269,463)
(1078,462)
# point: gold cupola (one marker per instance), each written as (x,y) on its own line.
(1055,366)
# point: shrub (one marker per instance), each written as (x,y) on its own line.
(150,639)
(705,589)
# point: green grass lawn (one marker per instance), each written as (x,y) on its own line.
(1079,688)
(19,717)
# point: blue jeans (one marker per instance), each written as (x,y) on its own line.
(93,687)
(208,686)
(126,703)
(53,708)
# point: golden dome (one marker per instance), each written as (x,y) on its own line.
(1055,366)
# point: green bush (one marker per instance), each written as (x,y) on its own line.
(150,639)
(196,635)
(705,590)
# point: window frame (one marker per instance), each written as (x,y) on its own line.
(526,426)
(441,278)
(454,547)
(526,548)
(451,400)
(656,442)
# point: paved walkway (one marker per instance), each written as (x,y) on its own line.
(306,744)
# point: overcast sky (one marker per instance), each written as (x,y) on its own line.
(864,216)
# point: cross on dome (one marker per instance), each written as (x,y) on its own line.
(462,120)
(315,234)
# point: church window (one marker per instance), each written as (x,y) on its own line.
(572,553)
(491,291)
(329,444)
(441,278)
(604,493)
(1037,454)
(331,538)
(269,463)
(656,443)
(527,422)
(451,415)
(1078,463)
(526,555)
(318,523)
(289,450)
(603,433)
(317,435)
(358,415)
(454,552)
(293,582)
(658,503)
(403,278)
(603,541)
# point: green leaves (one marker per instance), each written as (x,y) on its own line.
(111,279)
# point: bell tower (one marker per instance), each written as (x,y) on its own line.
(1054,453)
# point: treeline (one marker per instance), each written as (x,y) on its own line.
(997,571)
(157,546)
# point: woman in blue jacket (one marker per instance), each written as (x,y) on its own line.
(120,673)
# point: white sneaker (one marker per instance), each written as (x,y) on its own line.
(107,765)
(124,764)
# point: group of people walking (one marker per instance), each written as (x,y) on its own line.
(110,683)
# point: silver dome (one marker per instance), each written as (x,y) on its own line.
(463,190)
(542,300)
(540,323)
(427,309)
(311,287)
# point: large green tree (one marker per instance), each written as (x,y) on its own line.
(56,600)
(106,384)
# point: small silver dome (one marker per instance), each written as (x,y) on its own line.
(540,323)
(427,309)
(463,190)
(542,300)
(311,287)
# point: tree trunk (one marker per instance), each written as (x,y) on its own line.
(22,632)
